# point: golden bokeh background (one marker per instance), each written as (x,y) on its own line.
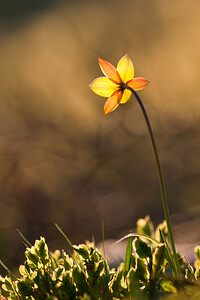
(62,160)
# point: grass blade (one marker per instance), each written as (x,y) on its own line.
(27,243)
(141,235)
(169,255)
(128,256)
(6,268)
(59,229)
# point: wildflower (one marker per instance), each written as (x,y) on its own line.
(114,84)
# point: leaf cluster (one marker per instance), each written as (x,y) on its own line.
(85,273)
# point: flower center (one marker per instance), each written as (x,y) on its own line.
(122,86)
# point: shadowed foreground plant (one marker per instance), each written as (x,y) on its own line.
(85,274)
(118,86)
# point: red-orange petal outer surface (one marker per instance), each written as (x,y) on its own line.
(113,102)
(109,70)
(137,83)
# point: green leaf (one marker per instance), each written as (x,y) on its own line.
(128,256)
(167,286)
(23,270)
(145,226)
(117,285)
(80,279)
(67,261)
(158,260)
(41,250)
(142,270)
(197,251)
(58,272)
(189,272)
(99,267)
(133,261)
(168,254)
(33,259)
(163,228)
(24,288)
(97,256)
(197,273)
(82,250)
(6,284)
(66,286)
(142,249)
(133,283)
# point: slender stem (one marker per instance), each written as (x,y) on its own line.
(164,198)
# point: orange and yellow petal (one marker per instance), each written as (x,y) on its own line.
(125,68)
(126,96)
(109,70)
(103,86)
(137,83)
(113,102)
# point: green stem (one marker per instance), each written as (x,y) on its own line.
(164,198)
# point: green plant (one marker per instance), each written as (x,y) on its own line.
(85,274)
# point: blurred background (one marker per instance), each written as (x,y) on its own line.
(62,160)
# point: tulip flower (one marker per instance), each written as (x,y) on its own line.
(117,85)
(116,82)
